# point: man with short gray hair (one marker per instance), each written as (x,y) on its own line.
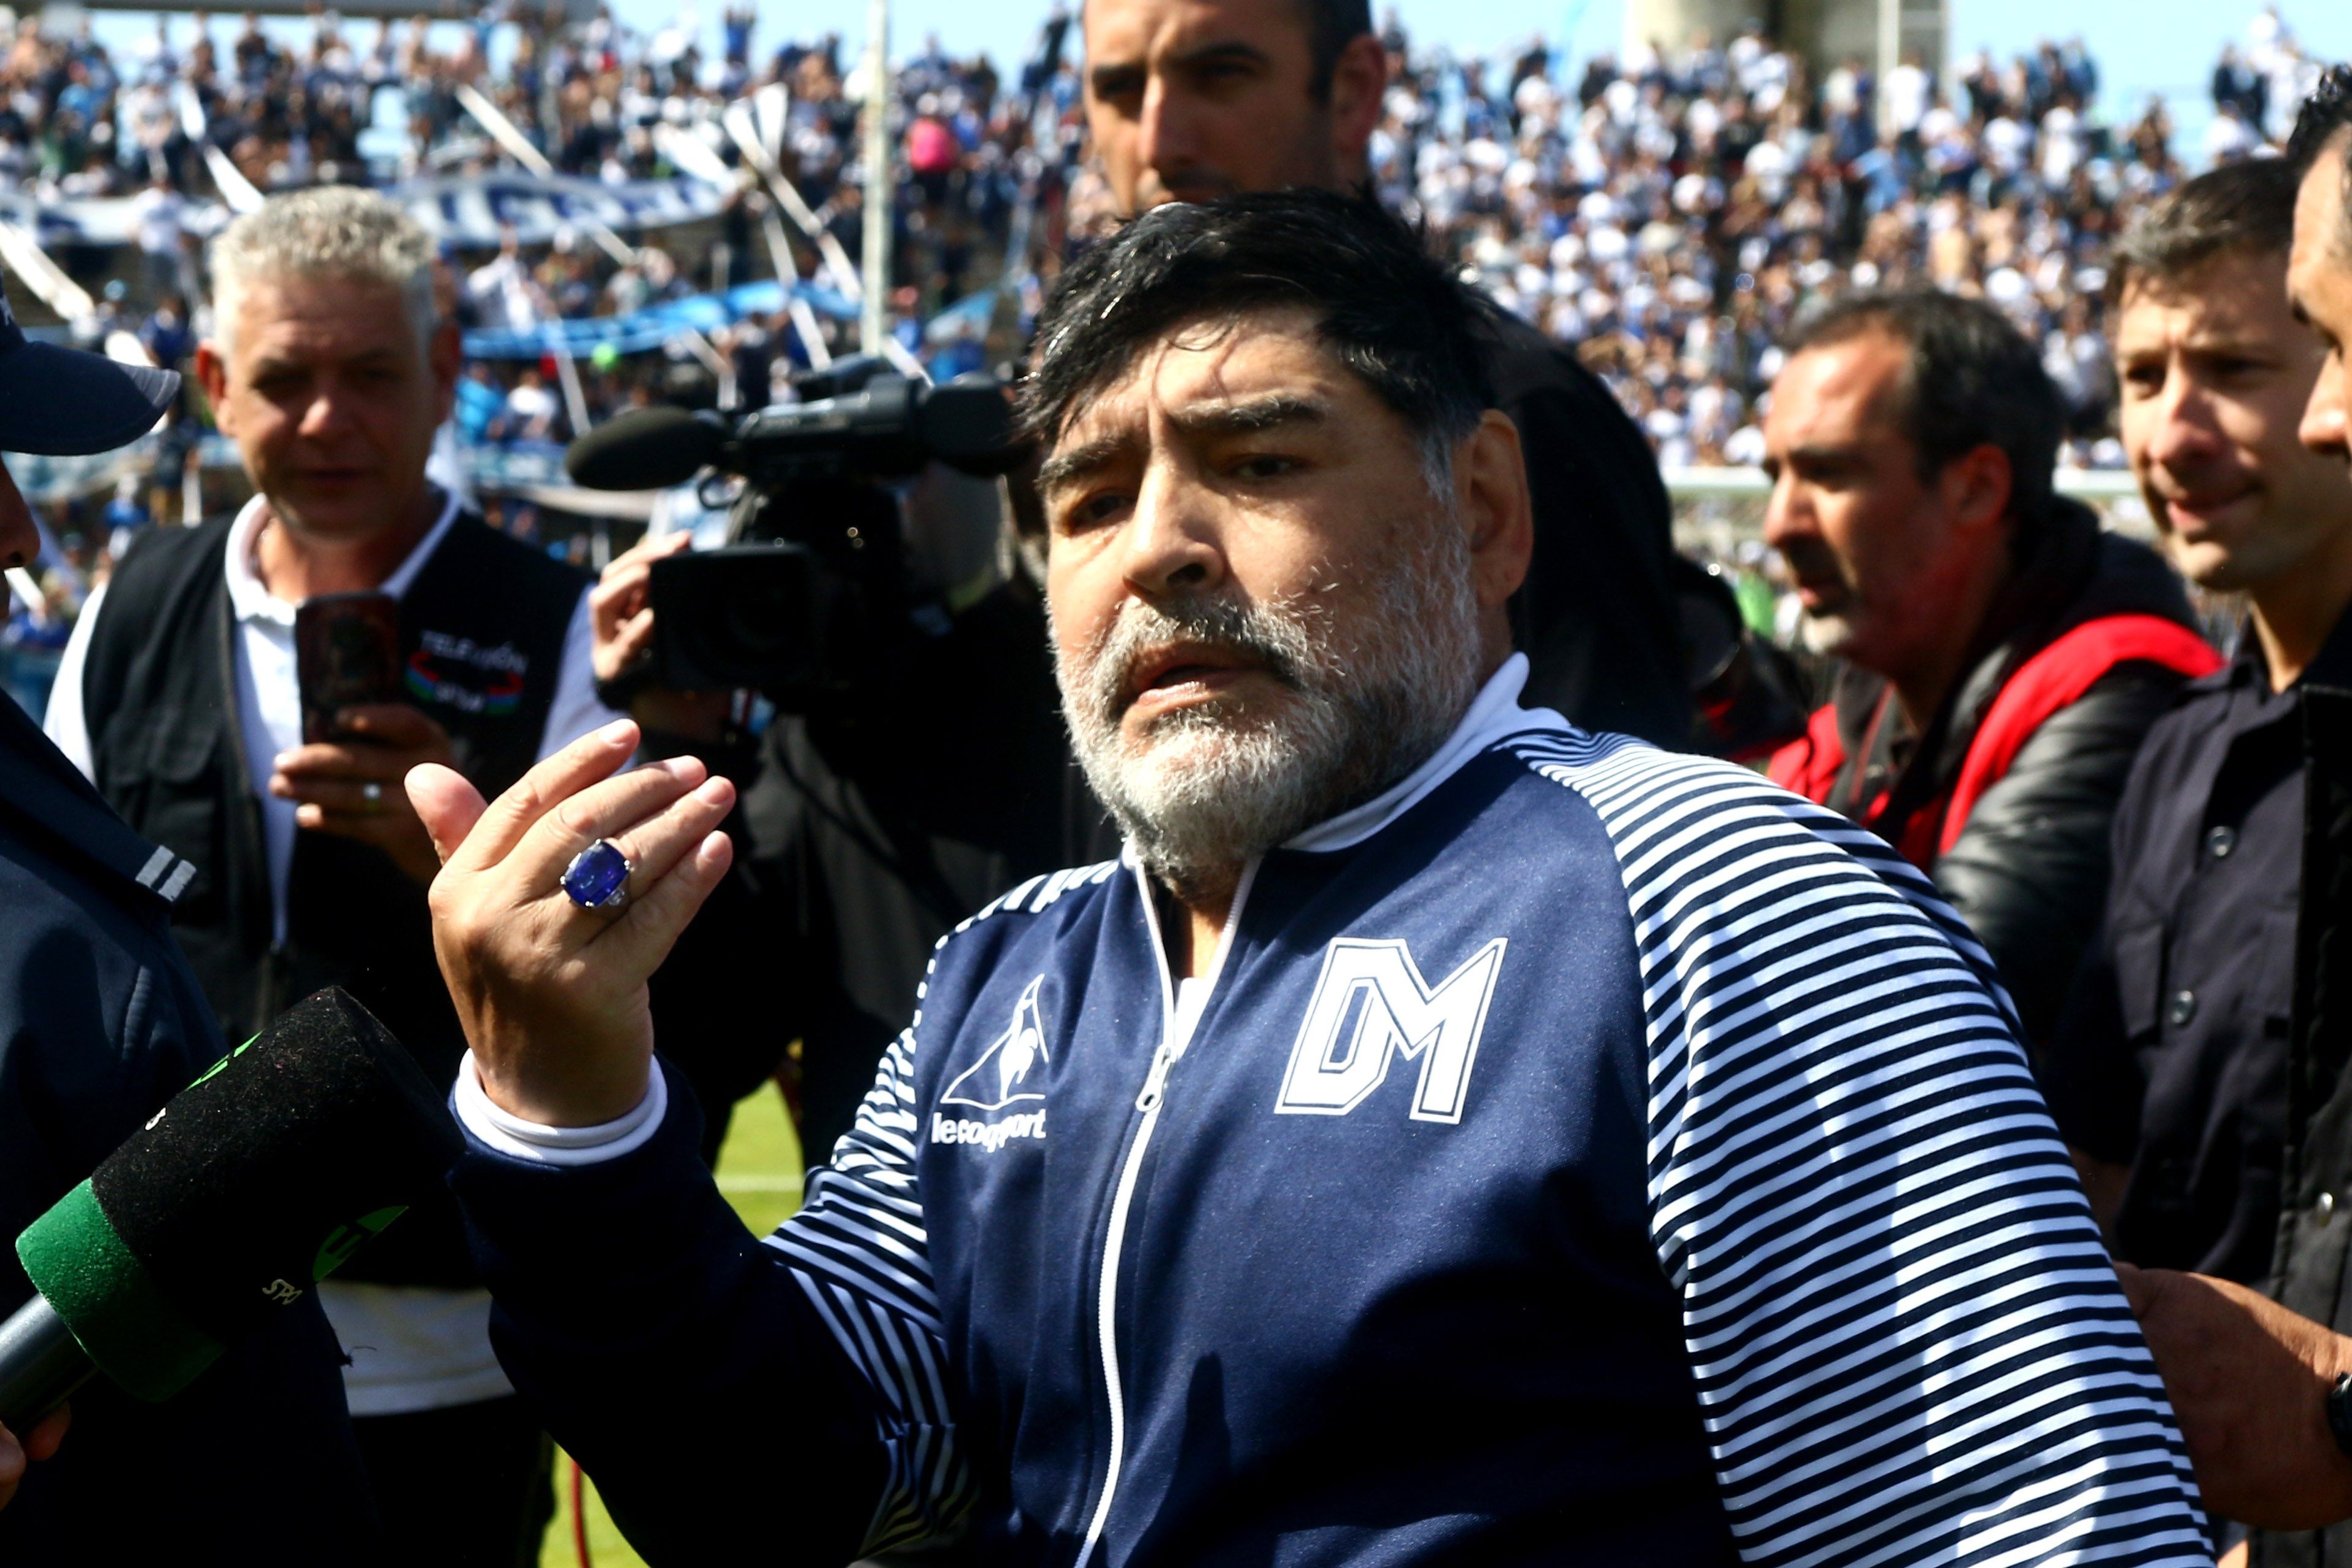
(182,698)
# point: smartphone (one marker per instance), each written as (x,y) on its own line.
(346,652)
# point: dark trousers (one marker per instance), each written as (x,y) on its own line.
(471,1486)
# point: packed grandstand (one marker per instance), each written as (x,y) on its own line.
(624,220)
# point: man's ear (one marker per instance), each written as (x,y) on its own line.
(1490,491)
(212,374)
(1976,486)
(1360,83)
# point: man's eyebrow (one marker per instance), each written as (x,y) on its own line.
(2233,342)
(1115,76)
(1112,76)
(1249,416)
(1079,462)
(1822,453)
(1224,51)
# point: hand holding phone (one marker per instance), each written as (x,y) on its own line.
(346,655)
(360,738)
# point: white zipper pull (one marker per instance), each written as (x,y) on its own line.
(1156,1084)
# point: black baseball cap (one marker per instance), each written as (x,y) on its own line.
(59,401)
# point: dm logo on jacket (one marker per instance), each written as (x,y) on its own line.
(998,1081)
(1370,1003)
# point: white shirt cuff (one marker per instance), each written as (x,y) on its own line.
(510,1135)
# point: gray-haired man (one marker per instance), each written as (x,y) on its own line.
(179,699)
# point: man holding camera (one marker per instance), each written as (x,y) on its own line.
(182,697)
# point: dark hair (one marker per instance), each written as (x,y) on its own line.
(1331,27)
(2238,209)
(1972,381)
(2326,115)
(1394,314)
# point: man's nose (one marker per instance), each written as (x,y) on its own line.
(2182,432)
(1785,514)
(20,541)
(1164,131)
(327,409)
(2326,423)
(1170,543)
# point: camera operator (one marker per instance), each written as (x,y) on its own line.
(871,822)
(191,696)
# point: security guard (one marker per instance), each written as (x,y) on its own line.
(100,1022)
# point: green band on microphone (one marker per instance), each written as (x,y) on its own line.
(108,1301)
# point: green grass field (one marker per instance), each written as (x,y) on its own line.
(760,1171)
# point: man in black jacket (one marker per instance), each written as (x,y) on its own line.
(2263,1387)
(2001,655)
(101,1022)
(2169,1074)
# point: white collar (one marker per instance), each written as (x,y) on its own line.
(1494,714)
(252,601)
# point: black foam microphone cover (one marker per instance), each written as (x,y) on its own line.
(252,1184)
(644,450)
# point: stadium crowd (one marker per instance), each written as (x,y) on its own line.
(1919,1038)
(1676,211)
(1672,213)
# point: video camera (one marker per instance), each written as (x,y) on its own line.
(811,601)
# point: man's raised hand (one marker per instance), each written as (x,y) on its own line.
(552,996)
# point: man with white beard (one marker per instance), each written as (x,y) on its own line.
(1445,1136)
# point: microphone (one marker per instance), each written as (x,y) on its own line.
(254,1183)
(644,450)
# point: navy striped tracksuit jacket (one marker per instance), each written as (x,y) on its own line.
(1582,1153)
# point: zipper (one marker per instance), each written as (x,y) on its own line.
(1149,1101)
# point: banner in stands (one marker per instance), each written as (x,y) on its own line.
(463,210)
(91,220)
(473,210)
(640,332)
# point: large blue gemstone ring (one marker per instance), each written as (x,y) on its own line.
(598,877)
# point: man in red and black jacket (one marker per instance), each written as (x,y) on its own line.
(2001,656)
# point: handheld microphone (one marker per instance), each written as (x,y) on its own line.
(254,1183)
(645,449)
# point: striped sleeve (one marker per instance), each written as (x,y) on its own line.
(858,1250)
(1908,1343)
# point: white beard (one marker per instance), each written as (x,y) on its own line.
(1211,785)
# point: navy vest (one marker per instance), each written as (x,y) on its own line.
(482,630)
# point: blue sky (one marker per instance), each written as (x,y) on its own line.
(2143,45)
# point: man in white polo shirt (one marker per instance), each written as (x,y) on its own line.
(179,698)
